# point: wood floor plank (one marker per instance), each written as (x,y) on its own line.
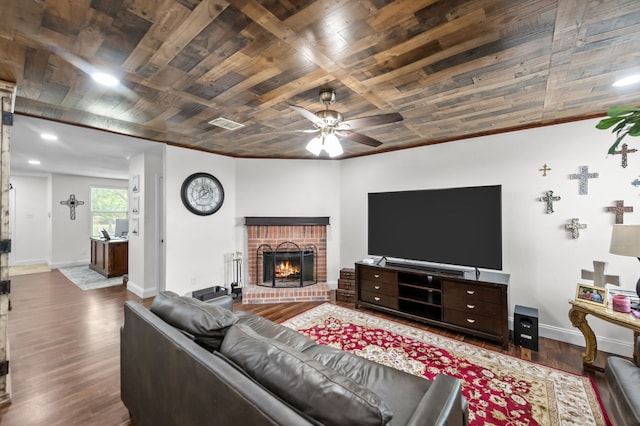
(65,350)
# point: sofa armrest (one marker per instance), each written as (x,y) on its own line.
(443,404)
(222,301)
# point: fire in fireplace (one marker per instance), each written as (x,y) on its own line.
(287,266)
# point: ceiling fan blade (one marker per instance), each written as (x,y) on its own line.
(360,138)
(308,115)
(374,120)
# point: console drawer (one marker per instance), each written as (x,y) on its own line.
(390,289)
(471,293)
(378,275)
(473,306)
(379,299)
(473,321)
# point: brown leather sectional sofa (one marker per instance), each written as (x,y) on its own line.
(195,363)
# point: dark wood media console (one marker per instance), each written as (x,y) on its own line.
(474,306)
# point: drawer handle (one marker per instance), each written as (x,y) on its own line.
(376,276)
(470,321)
(377,299)
(471,292)
(471,306)
(377,287)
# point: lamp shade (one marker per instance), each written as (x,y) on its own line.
(625,240)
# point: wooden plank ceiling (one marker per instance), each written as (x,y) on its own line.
(452,68)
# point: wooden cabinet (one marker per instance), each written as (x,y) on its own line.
(109,258)
(471,306)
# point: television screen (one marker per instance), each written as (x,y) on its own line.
(455,226)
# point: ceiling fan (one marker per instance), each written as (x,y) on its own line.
(331,124)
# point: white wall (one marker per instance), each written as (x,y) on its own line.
(30,238)
(70,238)
(197,247)
(143,258)
(290,188)
(544,262)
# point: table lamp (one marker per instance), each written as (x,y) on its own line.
(625,241)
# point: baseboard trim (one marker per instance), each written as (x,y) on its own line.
(140,291)
(58,265)
(29,262)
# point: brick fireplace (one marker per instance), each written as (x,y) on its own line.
(266,233)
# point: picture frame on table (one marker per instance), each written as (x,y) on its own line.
(592,294)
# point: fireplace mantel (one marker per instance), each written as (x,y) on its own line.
(285,221)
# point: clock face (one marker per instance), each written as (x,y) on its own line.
(202,194)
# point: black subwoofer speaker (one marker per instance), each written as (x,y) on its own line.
(525,327)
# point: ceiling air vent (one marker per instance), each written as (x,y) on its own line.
(225,124)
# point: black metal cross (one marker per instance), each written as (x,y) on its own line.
(584,177)
(72,203)
(549,199)
(620,209)
(624,151)
(574,227)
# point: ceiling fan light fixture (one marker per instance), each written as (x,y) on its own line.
(315,146)
(332,145)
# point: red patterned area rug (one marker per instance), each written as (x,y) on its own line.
(500,389)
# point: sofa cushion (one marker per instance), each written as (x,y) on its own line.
(275,331)
(206,322)
(381,379)
(317,390)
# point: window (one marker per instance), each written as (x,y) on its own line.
(107,205)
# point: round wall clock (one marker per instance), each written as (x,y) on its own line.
(202,194)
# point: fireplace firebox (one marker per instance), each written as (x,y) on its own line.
(288,265)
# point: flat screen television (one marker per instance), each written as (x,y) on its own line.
(454,226)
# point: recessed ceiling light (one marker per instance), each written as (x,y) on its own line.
(34,162)
(49,136)
(105,79)
(626,81)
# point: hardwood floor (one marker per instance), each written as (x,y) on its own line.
(64,351)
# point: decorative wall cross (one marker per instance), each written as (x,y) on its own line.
(636,182)
(544,170)
(598,277)
(624,151)
(549,199)
(584,177)
(620,209)
(72,203)
(574,227)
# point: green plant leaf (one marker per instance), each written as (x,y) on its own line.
(605,123)
(634,130)
(612,148)
(616,111)
(619,127)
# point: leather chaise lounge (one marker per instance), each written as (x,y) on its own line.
(187,362)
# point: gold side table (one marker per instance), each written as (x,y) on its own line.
(578,313)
